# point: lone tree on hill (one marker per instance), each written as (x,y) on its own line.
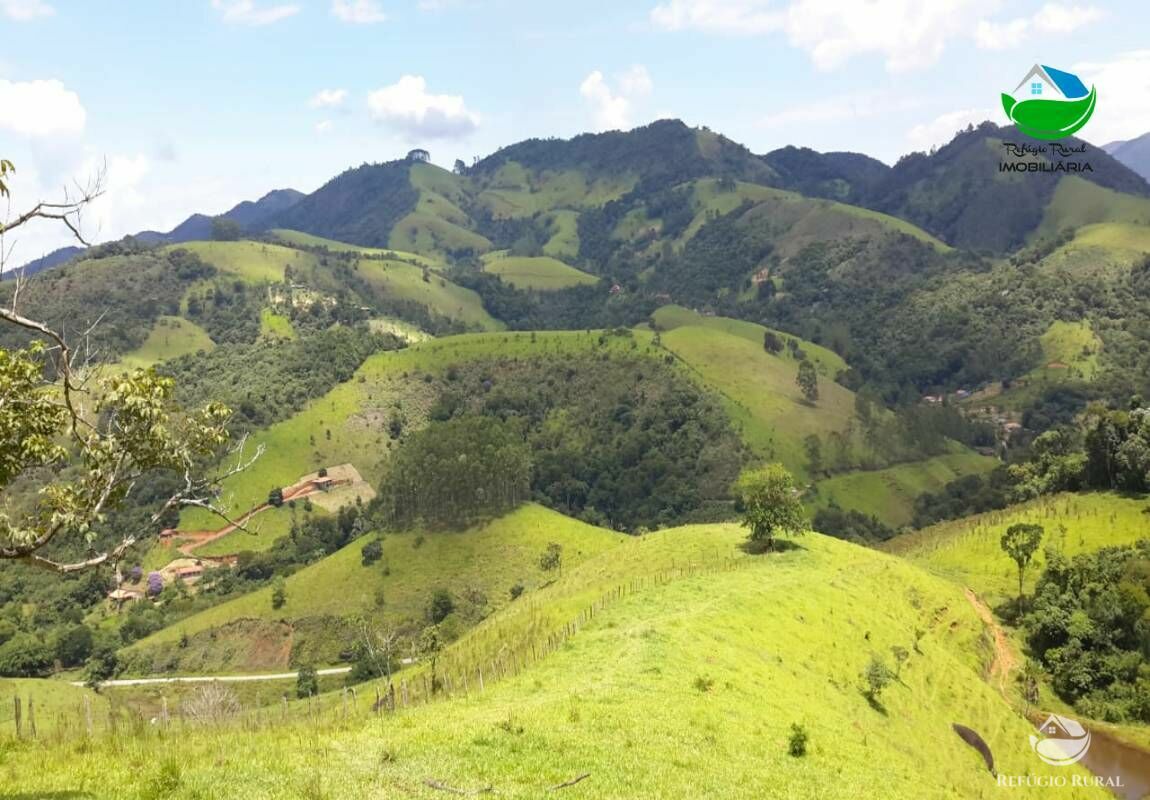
(808,381)
(1020,542)
(552,558)
(770,504)
(50,396)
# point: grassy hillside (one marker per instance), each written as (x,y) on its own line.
(489,559)
(171,337)
(760,393)
(254,262)
(275,326)
(807,215)
(889,494)
(349,424)
(668,318)
(308,240)
(542,273)
(403,281)
(1104,250)
(677,689)
(968,551)
(516,191)
(1077,202)
(56,705)
(564,227)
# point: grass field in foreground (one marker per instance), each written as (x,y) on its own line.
(686,689)
(543,273)
(969,550)
(56,705)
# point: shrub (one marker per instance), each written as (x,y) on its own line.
(440,606)
(371,552)
(516,590)
(703,683)
(211,703)
(306,682)
(279,594)
(797,745)
(876,677)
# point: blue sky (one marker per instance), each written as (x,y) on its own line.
(194,105)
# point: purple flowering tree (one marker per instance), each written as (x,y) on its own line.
(155,583)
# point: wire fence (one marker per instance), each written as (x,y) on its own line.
(501,647)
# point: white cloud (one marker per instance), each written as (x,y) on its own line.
(246,12)
(42,108)
(1052,18)
(24,10)
(1001,35)
(1057,18)
(359,12)
(1123,109)
(328,98)
(611,108)
(636,82)
(941,129)
(324,126)
(407,107)
(908,33)
(736,17)
(838,109)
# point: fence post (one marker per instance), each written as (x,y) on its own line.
(16,700)
(31,717)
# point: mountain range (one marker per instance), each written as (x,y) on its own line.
(955,192)
(1134,153)
(249,215)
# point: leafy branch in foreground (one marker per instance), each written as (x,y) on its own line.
(76,443)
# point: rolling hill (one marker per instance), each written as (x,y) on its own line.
(478,566)
(699,698)
(968,550)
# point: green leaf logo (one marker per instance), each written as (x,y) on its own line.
(1050,103)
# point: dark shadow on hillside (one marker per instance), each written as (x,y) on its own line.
(874,703)
(1009,612)
(761,548)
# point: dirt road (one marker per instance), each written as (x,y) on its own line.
(278,676)
(1005,661)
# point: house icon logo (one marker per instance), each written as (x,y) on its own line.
(1061,741)
(1050,103)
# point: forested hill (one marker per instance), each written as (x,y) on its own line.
(956,193)
(940,272)
(664,151)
